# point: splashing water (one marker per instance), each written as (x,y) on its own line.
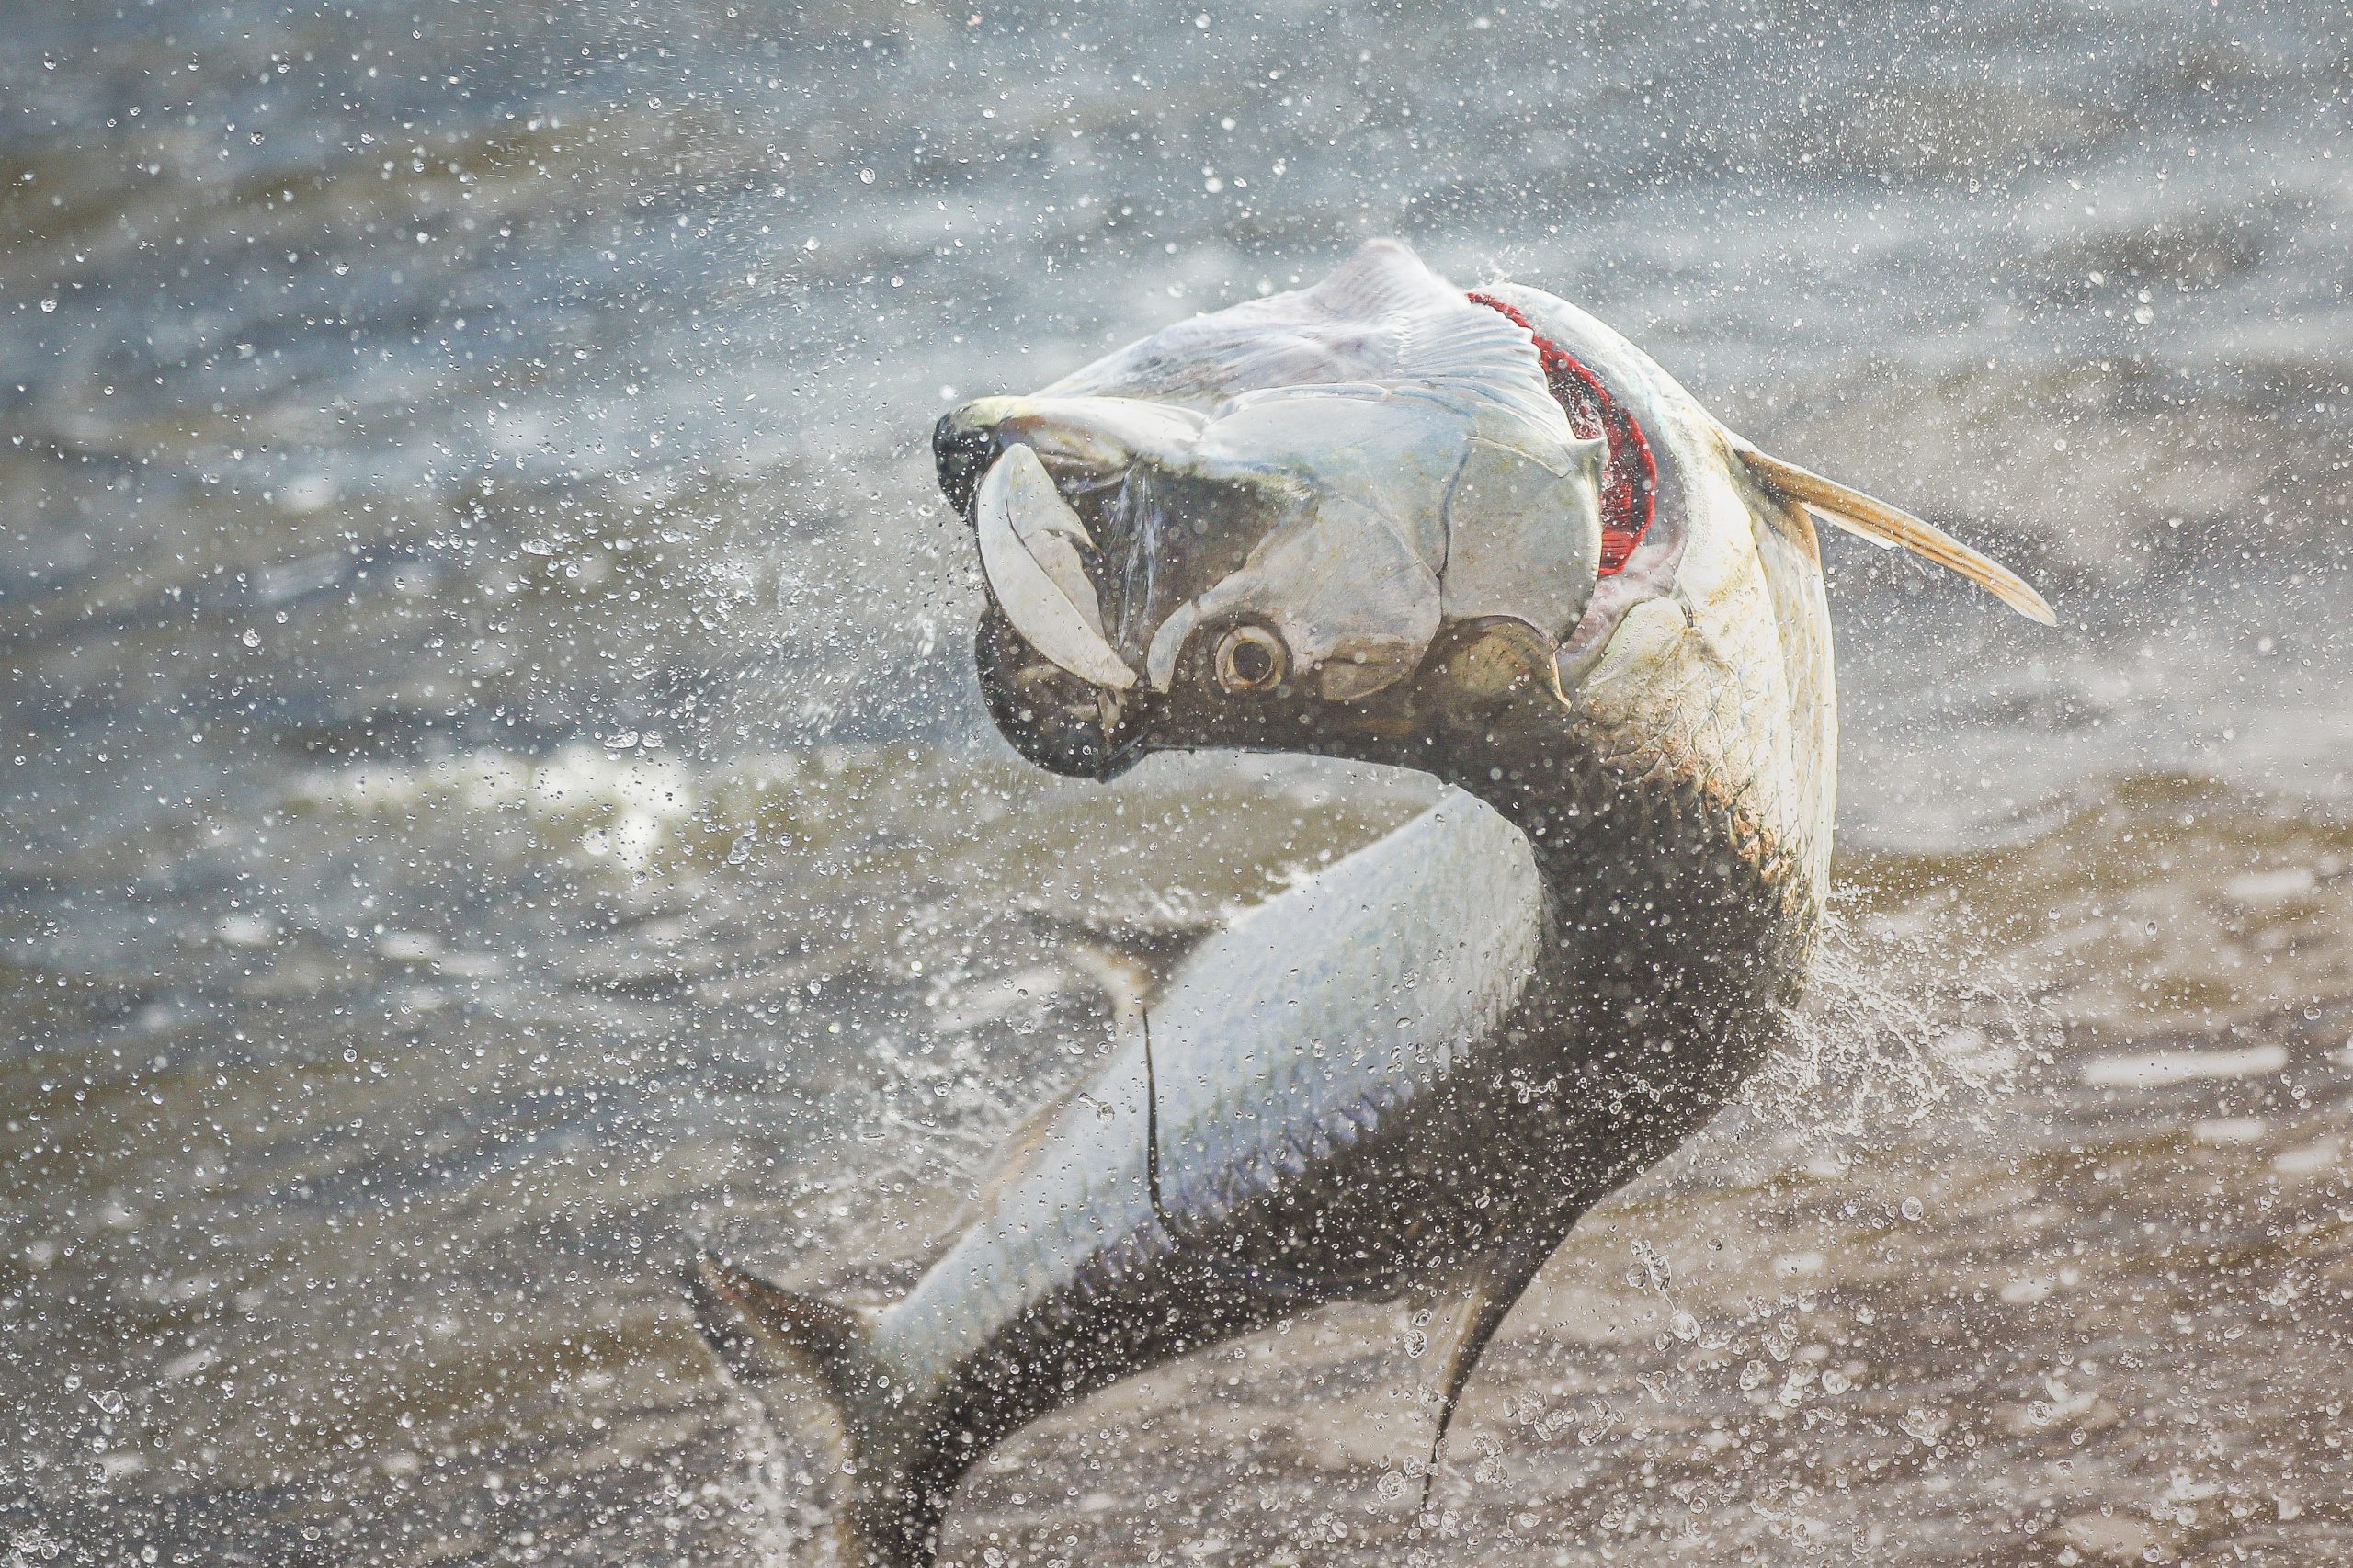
(1900,1023)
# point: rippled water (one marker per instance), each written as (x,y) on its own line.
(492,778)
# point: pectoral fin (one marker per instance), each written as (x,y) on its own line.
(1458,1335)
(1882,524)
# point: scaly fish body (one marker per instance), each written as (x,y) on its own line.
(1414,1073)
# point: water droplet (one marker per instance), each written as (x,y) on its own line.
(48,306)
(1913,1209)
(252,638)
(866,177)
(110,1401)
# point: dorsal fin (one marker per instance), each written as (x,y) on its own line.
(1882,524)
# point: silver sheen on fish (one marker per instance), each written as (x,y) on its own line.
(1478,535)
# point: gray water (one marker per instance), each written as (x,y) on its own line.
(492,778)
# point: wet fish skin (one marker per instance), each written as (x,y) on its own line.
(1415,1072)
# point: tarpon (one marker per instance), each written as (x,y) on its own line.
(1381,519)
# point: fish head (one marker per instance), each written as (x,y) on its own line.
(1277,526)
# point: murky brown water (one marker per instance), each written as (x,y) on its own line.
(490,777)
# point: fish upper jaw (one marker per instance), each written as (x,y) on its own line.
(1082,440)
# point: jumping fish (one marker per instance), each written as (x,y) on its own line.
(1475,534)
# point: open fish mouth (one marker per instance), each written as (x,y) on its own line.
(1055,683)
(1056,720)
(1278,507)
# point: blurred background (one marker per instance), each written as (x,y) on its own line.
(491,778)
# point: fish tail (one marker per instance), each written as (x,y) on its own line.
(758,1329)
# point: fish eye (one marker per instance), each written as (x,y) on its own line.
(1251,659)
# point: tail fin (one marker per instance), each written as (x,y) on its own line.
(758,1329)
(1891,526)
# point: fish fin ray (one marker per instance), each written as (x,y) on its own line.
(741,1316)
(1492,1288)
(1875,520)
(721,1325)
(759,1329)
(1027,1137)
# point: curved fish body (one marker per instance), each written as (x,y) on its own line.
(1478,535)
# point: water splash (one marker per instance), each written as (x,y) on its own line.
(1902,1022)
(776,1494)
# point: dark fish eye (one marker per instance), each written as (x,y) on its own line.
(1251,659)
